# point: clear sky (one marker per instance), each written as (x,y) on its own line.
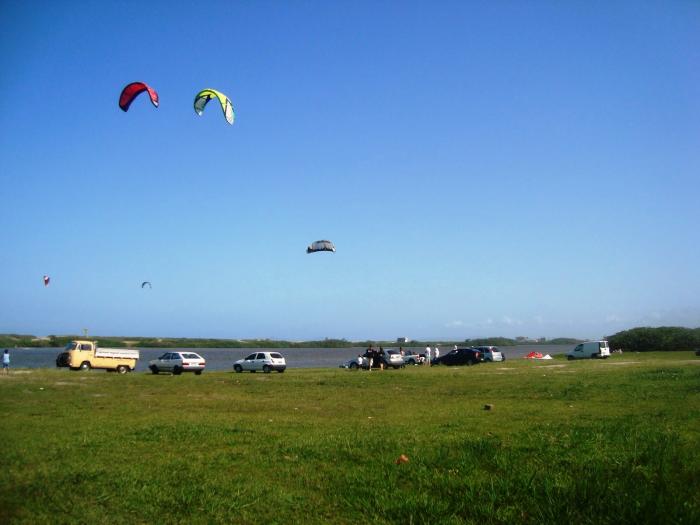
(483,168)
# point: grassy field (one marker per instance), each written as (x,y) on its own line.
(614,441)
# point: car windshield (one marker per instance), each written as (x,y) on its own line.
(191,356)
(70,346)
(275,355)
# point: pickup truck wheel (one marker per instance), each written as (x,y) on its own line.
(267,369)
(154,369)
(85,365)
(177,370)
(121,369)
(238,368)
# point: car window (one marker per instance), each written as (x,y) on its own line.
(165,356)
(578,348)
(191,356)
(261,356)
(275,355)
(250,357)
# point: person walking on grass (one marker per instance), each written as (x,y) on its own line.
(427,355)
(6,362)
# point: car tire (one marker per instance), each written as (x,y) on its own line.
(85,365)
(570,357)
(122,369)
(198,372)
(353,365)
(154,369)
(238,369)
(177,370)
(411,361)
(267,369)
(280,370)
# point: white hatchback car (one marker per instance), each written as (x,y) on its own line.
(178,362)
(265,361)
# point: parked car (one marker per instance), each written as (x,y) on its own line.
(491,353)
(393,358)
(178,362)
(265,361)
(460,356)
(412,358)
(355,363)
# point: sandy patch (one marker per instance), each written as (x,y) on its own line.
(552,366)
(505,369)
(623,363)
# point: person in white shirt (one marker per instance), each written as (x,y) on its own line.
(427,355)
(437,352)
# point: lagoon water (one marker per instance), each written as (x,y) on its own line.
(223,358)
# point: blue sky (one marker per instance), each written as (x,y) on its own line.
(484,168)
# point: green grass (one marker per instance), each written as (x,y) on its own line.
(615,441)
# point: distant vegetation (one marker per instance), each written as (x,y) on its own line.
(19,340)
(663,338)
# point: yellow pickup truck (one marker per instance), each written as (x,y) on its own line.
(84,355)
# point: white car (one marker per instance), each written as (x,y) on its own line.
(412,358)
(265,361)
(491,353)
(178,362)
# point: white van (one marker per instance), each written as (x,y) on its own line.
(590,350)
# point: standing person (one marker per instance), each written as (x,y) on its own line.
(369,354)
(427,355)
(6,361)
(437,352)
(382,356)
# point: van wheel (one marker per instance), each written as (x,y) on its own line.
(238,368)
(85,365)
(267,369)
(570,357)
(121,369)
(177,370)
(154,369)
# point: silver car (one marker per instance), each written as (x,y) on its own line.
(265,361)
(177,363)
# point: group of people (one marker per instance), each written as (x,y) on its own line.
(376,358)
(372,358)
(431,354)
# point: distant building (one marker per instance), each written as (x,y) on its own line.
(402,339)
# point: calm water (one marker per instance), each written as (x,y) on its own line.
(223,358)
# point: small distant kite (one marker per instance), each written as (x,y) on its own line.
(320,246)
(47,280)
(143,284)
(203,98)
(133,90)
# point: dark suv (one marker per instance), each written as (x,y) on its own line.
(460,356)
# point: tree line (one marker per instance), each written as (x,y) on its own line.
(659,339)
